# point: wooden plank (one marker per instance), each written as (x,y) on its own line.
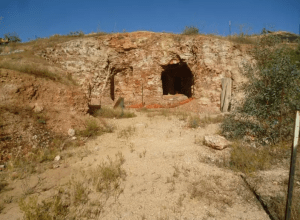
(226,94)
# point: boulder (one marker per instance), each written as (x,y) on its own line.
(216,141)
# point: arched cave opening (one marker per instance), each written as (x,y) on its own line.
(177,79)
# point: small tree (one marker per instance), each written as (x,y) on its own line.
(271,95)
(12,37)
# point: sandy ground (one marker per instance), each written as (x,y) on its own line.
(166,176)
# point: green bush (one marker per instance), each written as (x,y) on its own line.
(271,95)
(190,30)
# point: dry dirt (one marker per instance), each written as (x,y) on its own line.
(166,178)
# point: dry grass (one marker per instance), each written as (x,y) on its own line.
(93,128)
(81,199)
(194,121)
(242,39)
(55,39)
(3,182)
(248,159)
(212,191)
(126,132)
(31,69)
(106,112)
(108,175)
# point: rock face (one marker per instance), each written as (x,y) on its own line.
(151,65)
(216,141)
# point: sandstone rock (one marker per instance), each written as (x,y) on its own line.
(216,141)
(38,108)
(139,59)
(57,158)
(71,132)
(55,166)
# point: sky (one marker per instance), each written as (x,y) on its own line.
(43,18)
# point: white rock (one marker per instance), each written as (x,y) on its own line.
(57,158)
(2,167)
(216,141)
(38,108)
(55,166)
(71,132)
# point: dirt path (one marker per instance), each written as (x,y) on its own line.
(166,176)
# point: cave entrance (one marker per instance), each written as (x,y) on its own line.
(177,79)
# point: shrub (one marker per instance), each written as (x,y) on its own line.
(190,30)
(92,128)
(12,37)
(76,33)
(271,95)
(127,132)
(249,159)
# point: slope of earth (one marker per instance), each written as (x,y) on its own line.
(165,176)
(34,110)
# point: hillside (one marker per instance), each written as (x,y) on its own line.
(140,163)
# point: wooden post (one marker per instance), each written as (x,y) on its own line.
(226,94)
(142,93)
(292,169)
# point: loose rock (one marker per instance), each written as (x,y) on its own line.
(216,141)
(57,158)
(71,132)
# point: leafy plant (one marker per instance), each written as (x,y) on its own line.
(271,95)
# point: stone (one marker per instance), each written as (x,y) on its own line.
(2,167)
(216,141)
(55,166)
(71,132)
(57,158)
(38,108)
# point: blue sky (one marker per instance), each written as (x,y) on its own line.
(43,18)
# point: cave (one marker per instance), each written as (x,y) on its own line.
(177,79)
